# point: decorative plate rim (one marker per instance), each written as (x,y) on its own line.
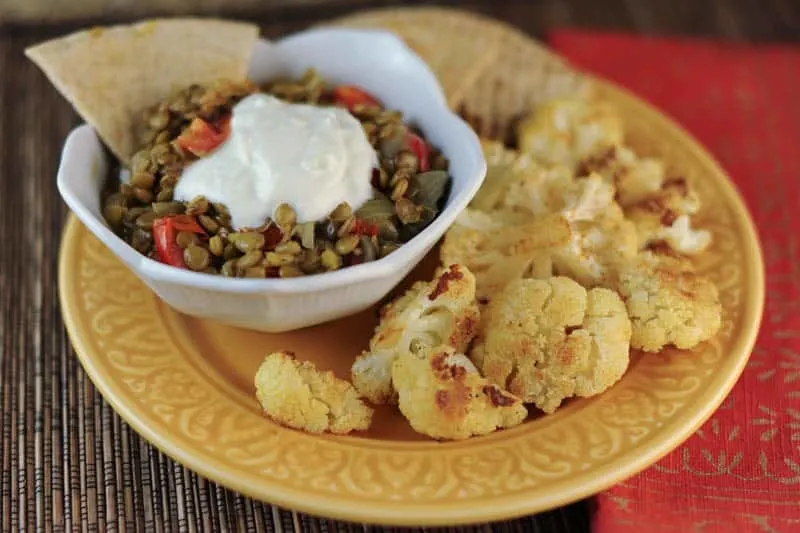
(434,512)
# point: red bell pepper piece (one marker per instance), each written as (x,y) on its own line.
(420,149)
(272,237)
(202,138)
(186,223)
(165,234)
(349,96)
(364,227)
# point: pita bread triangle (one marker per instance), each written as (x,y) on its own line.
(112,75)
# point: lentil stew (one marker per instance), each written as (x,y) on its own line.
(409,189)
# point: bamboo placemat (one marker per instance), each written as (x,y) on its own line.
(68,461)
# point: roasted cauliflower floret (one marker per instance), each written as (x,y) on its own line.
(666,217)
(502,166)
(299,396)
(443,310)
(516,186)
(549,340)
(583,214)
(555,190)
(566,131)
(443,396)
(668,303)
(594,250)
(499,254)
(634,178)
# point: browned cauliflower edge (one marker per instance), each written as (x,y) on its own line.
(443,396)
(668,303)
(297,395)
(442,310)
(548,340)
(568,130)
(666,217)
(635,179)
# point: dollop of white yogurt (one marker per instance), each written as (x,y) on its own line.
(312,158)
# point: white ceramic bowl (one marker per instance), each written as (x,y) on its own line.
(383,65)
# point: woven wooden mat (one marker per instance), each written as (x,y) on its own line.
(68,461)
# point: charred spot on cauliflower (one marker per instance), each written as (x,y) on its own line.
(668,303)
(549,340)
(666,217)
(566,131)
(297,395)
(634,178)
(595,249)
(443,396)
(429,313)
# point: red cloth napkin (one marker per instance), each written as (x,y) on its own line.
(741,471)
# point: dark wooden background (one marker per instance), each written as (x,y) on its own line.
(738,20)
(68,462)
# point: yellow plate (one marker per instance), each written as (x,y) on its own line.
(186,386)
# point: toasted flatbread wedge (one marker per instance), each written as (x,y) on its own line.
(458,65)
(112,75)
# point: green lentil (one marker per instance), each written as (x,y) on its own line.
(399,189)
(330,260)
(145,220)
(167,208)
(113,213)
(347,244)
(387,248)
(133,213)
(342,212)
(255,272)
(142,241)
(185,239)
(230,251)
(229,268)
(346,227)
(289,247)
(216,245)
(247,241)
(164,195)
(196,258)
(208,223)
(278,259)
(249,259)
(143,180)
(290,271)
(309,261)
(368,249)
(407,212)
(285,216)
(168,181)
(198,206)
(143,195)
(407,161)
